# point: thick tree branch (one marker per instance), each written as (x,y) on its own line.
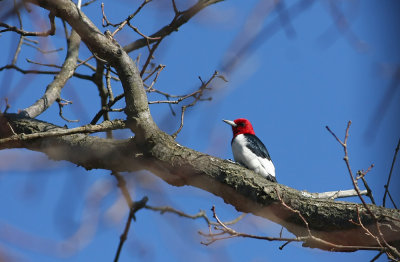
(104,47)
(78,148)
(15,140)
(240,187)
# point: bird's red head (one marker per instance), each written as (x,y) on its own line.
(240,126)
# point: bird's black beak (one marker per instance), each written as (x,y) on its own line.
(229,122)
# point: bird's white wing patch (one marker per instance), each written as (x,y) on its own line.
(245,156)
(268,166)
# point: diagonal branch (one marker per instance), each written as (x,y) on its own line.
(104,47)
(53,90)
(180,19)
(390,176)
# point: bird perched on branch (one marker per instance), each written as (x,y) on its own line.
(249,151)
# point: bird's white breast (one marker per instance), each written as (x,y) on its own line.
(243,155)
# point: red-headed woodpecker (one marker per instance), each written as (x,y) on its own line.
(249,151)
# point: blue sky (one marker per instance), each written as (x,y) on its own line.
(290,87)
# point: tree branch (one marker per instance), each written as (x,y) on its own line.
(248,192)
(104,47)
(179,19)
(334,194)
(51,31)
(53,90)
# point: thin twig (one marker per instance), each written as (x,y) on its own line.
(41,50)
(136,206)
(41,72)
(150,57)
(106,109)
(37,63)
(361,175)
(369,191)
(31,40)
(108,84)
(134,28)
(51,31)
(94,69)
(133,208)
(175,8)
(7,105)
(88,3)
(281,247)
(106,22)
(122,186)
(377,256)
(197,97)
(392,200)
(179,19)
(84,61)
(158,69)
(200,214)
(390,176)
(21,38)
(390,249)
(61,103)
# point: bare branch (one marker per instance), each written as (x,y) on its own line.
(141,34)
(83,62)
(179,19)
(150,57)
(21,38)
(334,194)
(51,31)
(136,206)
(369,191)
(377,256)
(198,96)
(200,214)
(61,103)
(88,3)
(12,141)
(390,176)
(41,50)
(53,90)
(37,63)
(41,72)
(379,237)
(126,21)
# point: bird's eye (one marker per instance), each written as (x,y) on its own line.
(241,124)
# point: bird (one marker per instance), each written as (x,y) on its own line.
(249,151)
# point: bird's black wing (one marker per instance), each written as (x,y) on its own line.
(257,147)
(272,178)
